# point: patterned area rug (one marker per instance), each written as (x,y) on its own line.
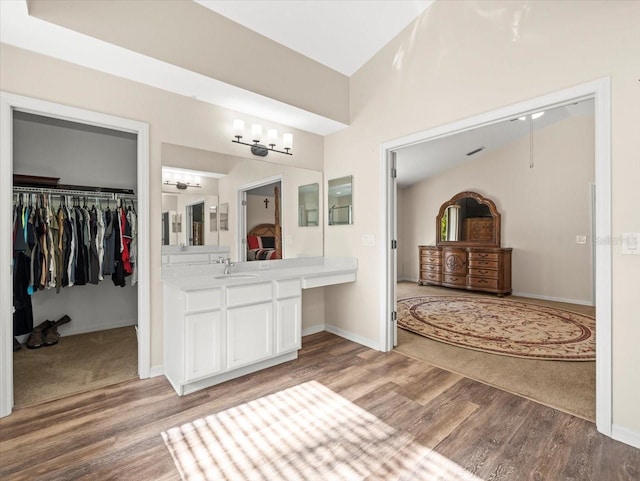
(501,326)
(304,433)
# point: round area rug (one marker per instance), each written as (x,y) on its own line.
(501,326)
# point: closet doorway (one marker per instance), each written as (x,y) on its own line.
(22,109)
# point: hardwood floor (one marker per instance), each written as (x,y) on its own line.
(114,433)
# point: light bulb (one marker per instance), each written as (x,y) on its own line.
(287,141)
(272,136)
(256,132)
(238,128)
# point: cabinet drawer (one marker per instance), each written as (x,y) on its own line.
(486,256)
(429,259)
(204,300)
(430,277)
(290,288)
(489,273)
(248,294)
(454,280)
(482,264)
(431,267)
(483,283)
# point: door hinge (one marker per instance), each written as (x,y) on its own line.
(394,244)
(244,202)
(394,172)
(394,316)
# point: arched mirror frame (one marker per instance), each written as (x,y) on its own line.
(495,242)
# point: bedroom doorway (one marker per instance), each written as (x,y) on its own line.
(195,224)
(599,91)
(260,223)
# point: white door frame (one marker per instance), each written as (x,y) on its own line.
(242,212)
(8,103)
(600,91)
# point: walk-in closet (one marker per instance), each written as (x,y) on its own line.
(75,294)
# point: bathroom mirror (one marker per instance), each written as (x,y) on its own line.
(308,205)
(223,176)
(339,202)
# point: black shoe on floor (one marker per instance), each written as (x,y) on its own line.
(16,345)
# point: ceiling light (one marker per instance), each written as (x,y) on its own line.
(256,136)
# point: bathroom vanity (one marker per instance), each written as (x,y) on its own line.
(219,327)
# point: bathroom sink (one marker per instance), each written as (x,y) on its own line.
(236,276)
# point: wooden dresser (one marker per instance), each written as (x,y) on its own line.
(476,262)
(485,269)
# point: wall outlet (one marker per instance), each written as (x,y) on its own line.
(631,243)
(581,239)
(263,265)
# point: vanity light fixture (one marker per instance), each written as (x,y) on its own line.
(180,182)
(256,136)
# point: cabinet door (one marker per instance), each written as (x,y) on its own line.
(288,325)
(205,340)
(249,334)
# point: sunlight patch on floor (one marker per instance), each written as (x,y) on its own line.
(306,432)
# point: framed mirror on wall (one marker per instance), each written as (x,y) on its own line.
(224,216)
(308,205)
(223,175)
(340,201)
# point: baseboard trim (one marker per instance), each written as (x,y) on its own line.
(313,330)
(352,337)
(156,371)
(625,435)
(406,279)
(550,298)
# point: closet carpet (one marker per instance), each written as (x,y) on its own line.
(76,364)
(566,386)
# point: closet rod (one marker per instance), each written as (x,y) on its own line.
(74,193)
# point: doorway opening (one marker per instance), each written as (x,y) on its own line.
(195,224)
(599,92)
(261,225)
(90,121)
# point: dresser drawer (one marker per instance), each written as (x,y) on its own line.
(482,264)
(454,280)
(431,267)
(430,277)
(483,283)
(430,259)
(484,256)
(477,272)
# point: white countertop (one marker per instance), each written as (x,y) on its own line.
(313,272)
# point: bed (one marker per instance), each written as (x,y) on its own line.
(263,243)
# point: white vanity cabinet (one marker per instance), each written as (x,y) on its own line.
(213,335)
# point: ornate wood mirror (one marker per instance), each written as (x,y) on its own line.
(468,219)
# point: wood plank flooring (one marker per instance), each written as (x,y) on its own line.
(114,433)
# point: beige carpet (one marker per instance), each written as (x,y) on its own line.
(306,432)
(76,364)
(564,385)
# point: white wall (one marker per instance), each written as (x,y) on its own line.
(88,156)
(256,211)
(460,59)
(172,119)
(543,209)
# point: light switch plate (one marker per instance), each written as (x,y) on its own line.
(368,240)
(581,239)
(631,243)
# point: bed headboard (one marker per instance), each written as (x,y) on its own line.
(263,230)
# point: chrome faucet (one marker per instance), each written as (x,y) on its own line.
(227,264)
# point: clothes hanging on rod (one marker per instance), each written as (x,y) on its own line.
(73,245)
